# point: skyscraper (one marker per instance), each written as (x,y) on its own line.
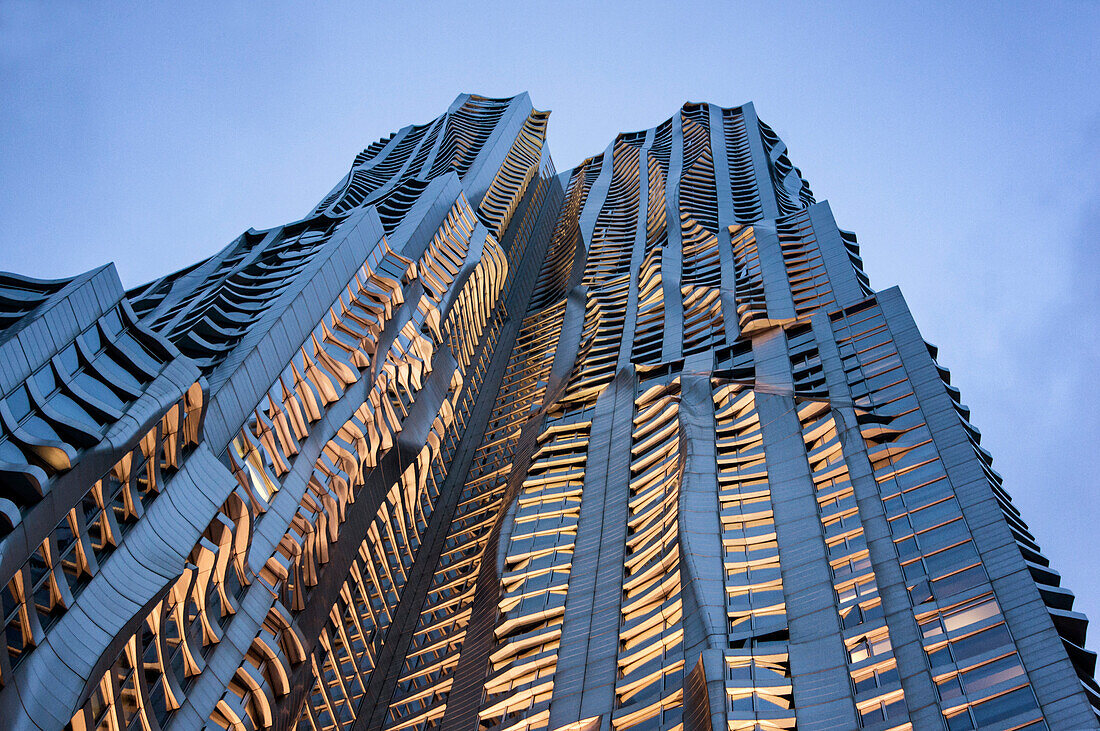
(475,445)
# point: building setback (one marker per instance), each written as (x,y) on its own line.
(475,445)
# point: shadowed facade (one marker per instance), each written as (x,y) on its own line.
(475,445)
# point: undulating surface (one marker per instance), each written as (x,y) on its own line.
(476,446)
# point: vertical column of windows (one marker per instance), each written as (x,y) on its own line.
(468,328)
(352,638)
(752,305)
(806,275)
(700,280)
(700,287)
(746,198)
(971,655)
(871,663)
(419,700)
(607,276)
(698,196)
(535,580)
(651,302)
(649,686)
(520,165)
(758,683)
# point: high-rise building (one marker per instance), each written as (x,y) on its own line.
(476,446)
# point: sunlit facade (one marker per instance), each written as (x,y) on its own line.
(476,445)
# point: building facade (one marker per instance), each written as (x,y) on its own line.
(475,445)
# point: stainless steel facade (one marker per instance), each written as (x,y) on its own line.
(475,445)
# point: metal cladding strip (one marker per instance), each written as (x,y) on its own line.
(705,621)
(594,201)
(584,682)
(916,680)
(822,694)
(1061,697)
(672,256)
(727,216)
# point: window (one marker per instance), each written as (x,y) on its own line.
(877,677)
(881,709)
(867,647)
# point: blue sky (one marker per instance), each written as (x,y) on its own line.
(958,140)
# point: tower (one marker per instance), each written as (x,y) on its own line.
(475,445)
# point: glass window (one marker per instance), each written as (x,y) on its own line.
(69,360)
(934,515)
(950,689)
(111,322)
(957,583)
(116,373)
(952,559)
(137,353)
(970,615)
(1005,706)
(945,535)
(95,388)
(991,674)
(45,381)
(73,412)
(981,643)
(19,403)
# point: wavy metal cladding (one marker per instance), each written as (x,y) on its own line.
(478,446)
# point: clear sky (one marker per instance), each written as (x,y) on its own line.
(959,141)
